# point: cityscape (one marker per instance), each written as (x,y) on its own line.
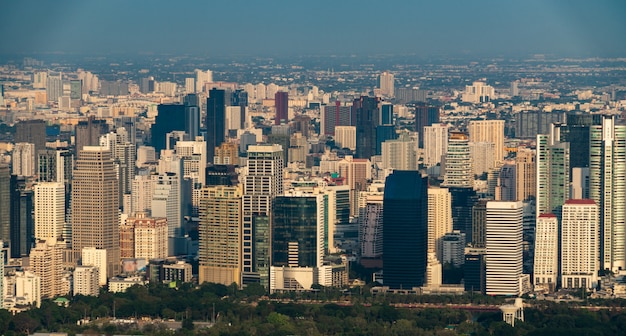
(282,189)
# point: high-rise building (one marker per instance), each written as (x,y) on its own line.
(426,115)
(482,154)
(95,207)
(203,77)
(49,211)
(553,158)
(439,219)
(169,200)
(546,263)
(577,132)
(298,224)
(504,248)
(405,229)
(367,120)
(46,260)
(263,182)
(371,225)
(54,88)
(579,244)
(55,166)
(580,183)
(435,143)
(607,187)
(458,162)
(192,115)
(215,121)
(281,102)
(170,117)
(31,131)
(150,236)
(400,154)
(489,131)
(91,256)
(86,281)
(478,92)
(88,133)
(124,154)
(5,198)
(220,235)
(386,84)
(453,248)
(22,227)
(23,159)
(507,184)
(345,137)
(335,115)
(479,220)
(526,174)
(475,269)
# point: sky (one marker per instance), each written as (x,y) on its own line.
(568,28)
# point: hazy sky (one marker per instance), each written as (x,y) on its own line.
(301,27)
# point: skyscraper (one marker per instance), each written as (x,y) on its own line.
(546,263)
(553,158)
(435,143)
(95,206)
(263,182)
(458,162)
(192,116)
(5,198)
(579,244)
(88,133)
(22,224)
(425,115)
(171,117)
(23,159)
(215,121)
(526,174)
(607,187)
(281,102)
(220,245)
(31,131)
(49,211)
(298,230)
(439,218)
(405,229)
(367,119)
(504,247)
(335,115)
(386,84)
(489,131)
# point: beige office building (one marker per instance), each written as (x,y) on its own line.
(489,131)
(220,232)
(95,206)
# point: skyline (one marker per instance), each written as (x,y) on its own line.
(451,28)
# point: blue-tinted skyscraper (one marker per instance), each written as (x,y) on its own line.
(367,120)
(405,229)
(192,116)
(215,121)
(170,118)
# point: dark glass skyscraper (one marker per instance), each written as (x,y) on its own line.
(425,115)
(295,231)
(22,228)
(170,118)
(215,121)
(367,119)
(281,101)
(405,229)
(192,116)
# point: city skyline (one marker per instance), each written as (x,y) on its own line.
(572,28)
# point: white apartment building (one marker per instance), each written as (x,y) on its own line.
(579,244)
(504,248)
(546,265)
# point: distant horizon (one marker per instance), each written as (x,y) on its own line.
(447,28)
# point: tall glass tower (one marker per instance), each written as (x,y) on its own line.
(405,229)
(607,187)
